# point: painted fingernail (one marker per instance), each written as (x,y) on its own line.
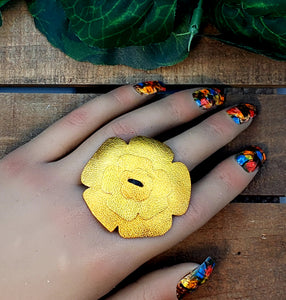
(251,158)
(149,87)
(242,113)
(208,98)
(194,279)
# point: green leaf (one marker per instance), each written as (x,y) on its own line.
(258,26)
(118,23)
(2,2)
(148,34)
(51,18)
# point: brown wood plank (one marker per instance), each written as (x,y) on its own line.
(22,116)
(27,58)
(248,243)
(268,132)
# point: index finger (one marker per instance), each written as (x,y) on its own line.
(68,132)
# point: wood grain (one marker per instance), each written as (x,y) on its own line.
(250,262)
(27,58)
(23,116)
(248,241)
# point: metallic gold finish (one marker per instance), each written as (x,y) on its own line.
(136,187)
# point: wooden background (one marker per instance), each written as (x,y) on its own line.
(247,240)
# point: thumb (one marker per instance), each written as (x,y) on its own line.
(170,283)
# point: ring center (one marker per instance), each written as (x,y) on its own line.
(135,182)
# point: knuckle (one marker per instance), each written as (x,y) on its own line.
(178,109)
(77,117)
(198,213)
(122,129)
(216,128)
(148,294)
(12,166)
(226,180)
(118,98)
(121,96)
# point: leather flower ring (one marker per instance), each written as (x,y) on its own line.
(136,187)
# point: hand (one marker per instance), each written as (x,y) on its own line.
(51,245)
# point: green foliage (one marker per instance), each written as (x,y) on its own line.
(148,34)
(259,26)
(2,2)
(110,24)
(141,34)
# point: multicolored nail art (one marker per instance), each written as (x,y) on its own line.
(194,279)
(149,87)
(242,113)
(251,158)
(208,98)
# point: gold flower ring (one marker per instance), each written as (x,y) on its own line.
(136,187)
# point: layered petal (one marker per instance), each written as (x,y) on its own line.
(136,187)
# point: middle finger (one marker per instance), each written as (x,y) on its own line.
(150,120)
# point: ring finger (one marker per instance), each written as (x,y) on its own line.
(196,144)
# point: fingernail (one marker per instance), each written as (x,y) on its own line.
(149,87)
(194,279)
(208,98)
(251,158)
(242,113)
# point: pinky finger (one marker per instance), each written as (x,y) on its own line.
(171,283)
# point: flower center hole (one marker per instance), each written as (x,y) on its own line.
(136,182)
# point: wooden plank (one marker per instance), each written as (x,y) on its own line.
(22,116)
(27,58)
(250,262)
(268,132)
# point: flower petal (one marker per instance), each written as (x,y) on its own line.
(136,187)
(125,208)
(156,151)
(131,162)
(139,227)
(96,202)
(152,207)
(180,196)
(162,185)
(106,155)
(135,192)
(110,181)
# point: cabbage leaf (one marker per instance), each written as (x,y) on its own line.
(147,34)
(258,26)
(140,33)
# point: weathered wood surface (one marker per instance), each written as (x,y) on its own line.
(23,116)
(27,58)
(248,243)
